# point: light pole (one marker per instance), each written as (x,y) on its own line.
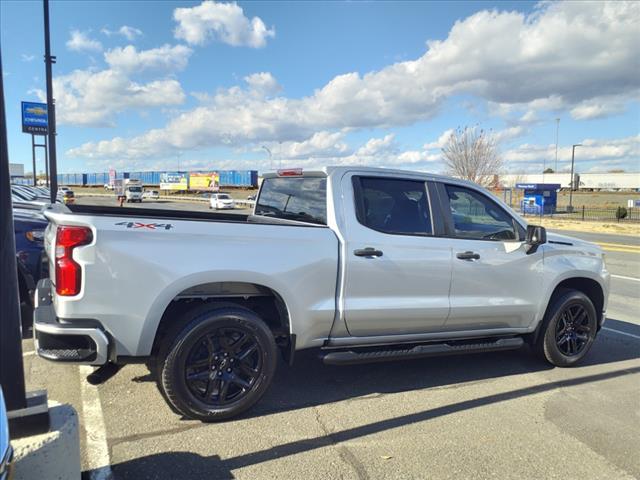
(573,156)
(51,107)
(557,130)
(270,157)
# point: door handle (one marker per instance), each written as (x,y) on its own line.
(367,252)
(468,256)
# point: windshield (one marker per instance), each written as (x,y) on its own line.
(135,189)
(301,198)
(224,197)
(22,194)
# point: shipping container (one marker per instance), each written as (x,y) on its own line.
(102,178)
(226,178)
(145,177)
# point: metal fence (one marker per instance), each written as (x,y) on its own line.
(583,213)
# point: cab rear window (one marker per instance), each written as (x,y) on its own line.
(294,198)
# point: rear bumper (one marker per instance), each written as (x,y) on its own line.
(65,342)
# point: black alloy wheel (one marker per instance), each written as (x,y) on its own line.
(217,362)
(568,329)
(572,330)
(223,365)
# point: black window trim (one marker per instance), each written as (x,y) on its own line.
(445,209)
(286,220)
(358,201)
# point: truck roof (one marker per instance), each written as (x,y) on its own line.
(339,170)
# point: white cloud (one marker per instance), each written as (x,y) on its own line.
(130,33)
(223,22)
(166,57)
(508,134)
(320,144)
(377,146)
(92,98)
(263,82)
(593,152)
(599,107)
(509,59)
(80,42)
(441,141)
(27,58)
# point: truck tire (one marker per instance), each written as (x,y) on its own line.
(219,364)
(568,330)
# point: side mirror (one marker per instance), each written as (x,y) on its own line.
(536,236)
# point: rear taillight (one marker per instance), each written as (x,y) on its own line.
(68,272)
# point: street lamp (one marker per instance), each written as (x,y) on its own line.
(270,157)
(573,156)
(557,131)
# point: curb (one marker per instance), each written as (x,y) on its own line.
(55,454)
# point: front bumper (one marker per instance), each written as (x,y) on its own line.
(76,342)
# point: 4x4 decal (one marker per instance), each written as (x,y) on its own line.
(146,226)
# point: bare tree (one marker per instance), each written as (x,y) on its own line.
(472,154)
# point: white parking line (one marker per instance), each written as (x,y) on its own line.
(97,449)
(633,279)
(637,337)
(30,352)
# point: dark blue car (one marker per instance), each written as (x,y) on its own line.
(29,228)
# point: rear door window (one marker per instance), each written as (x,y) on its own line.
(294,198)
(392,205)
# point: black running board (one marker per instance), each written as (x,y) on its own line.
(383,354)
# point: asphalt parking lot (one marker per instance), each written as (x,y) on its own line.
(502,415)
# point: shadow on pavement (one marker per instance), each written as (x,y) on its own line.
(168,465)
(187,465)
(626,327)
(310,383)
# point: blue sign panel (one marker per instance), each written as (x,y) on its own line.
(35,118)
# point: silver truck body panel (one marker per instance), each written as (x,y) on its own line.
(417,290)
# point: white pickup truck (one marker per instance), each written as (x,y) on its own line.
(364,264)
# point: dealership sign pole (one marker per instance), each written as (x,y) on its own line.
(28,412)
(51,108)
(35,121)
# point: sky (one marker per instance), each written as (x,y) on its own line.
(260,85)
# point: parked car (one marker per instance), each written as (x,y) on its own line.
(68,197)
(63,189)
(6,451)
(29,228)
(26,197)
(251,197)
(109,186)
(220,201)
(151,194)
(364,264)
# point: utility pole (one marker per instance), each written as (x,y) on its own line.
(573,156)
(270,157)
(51,108)
(557,131)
